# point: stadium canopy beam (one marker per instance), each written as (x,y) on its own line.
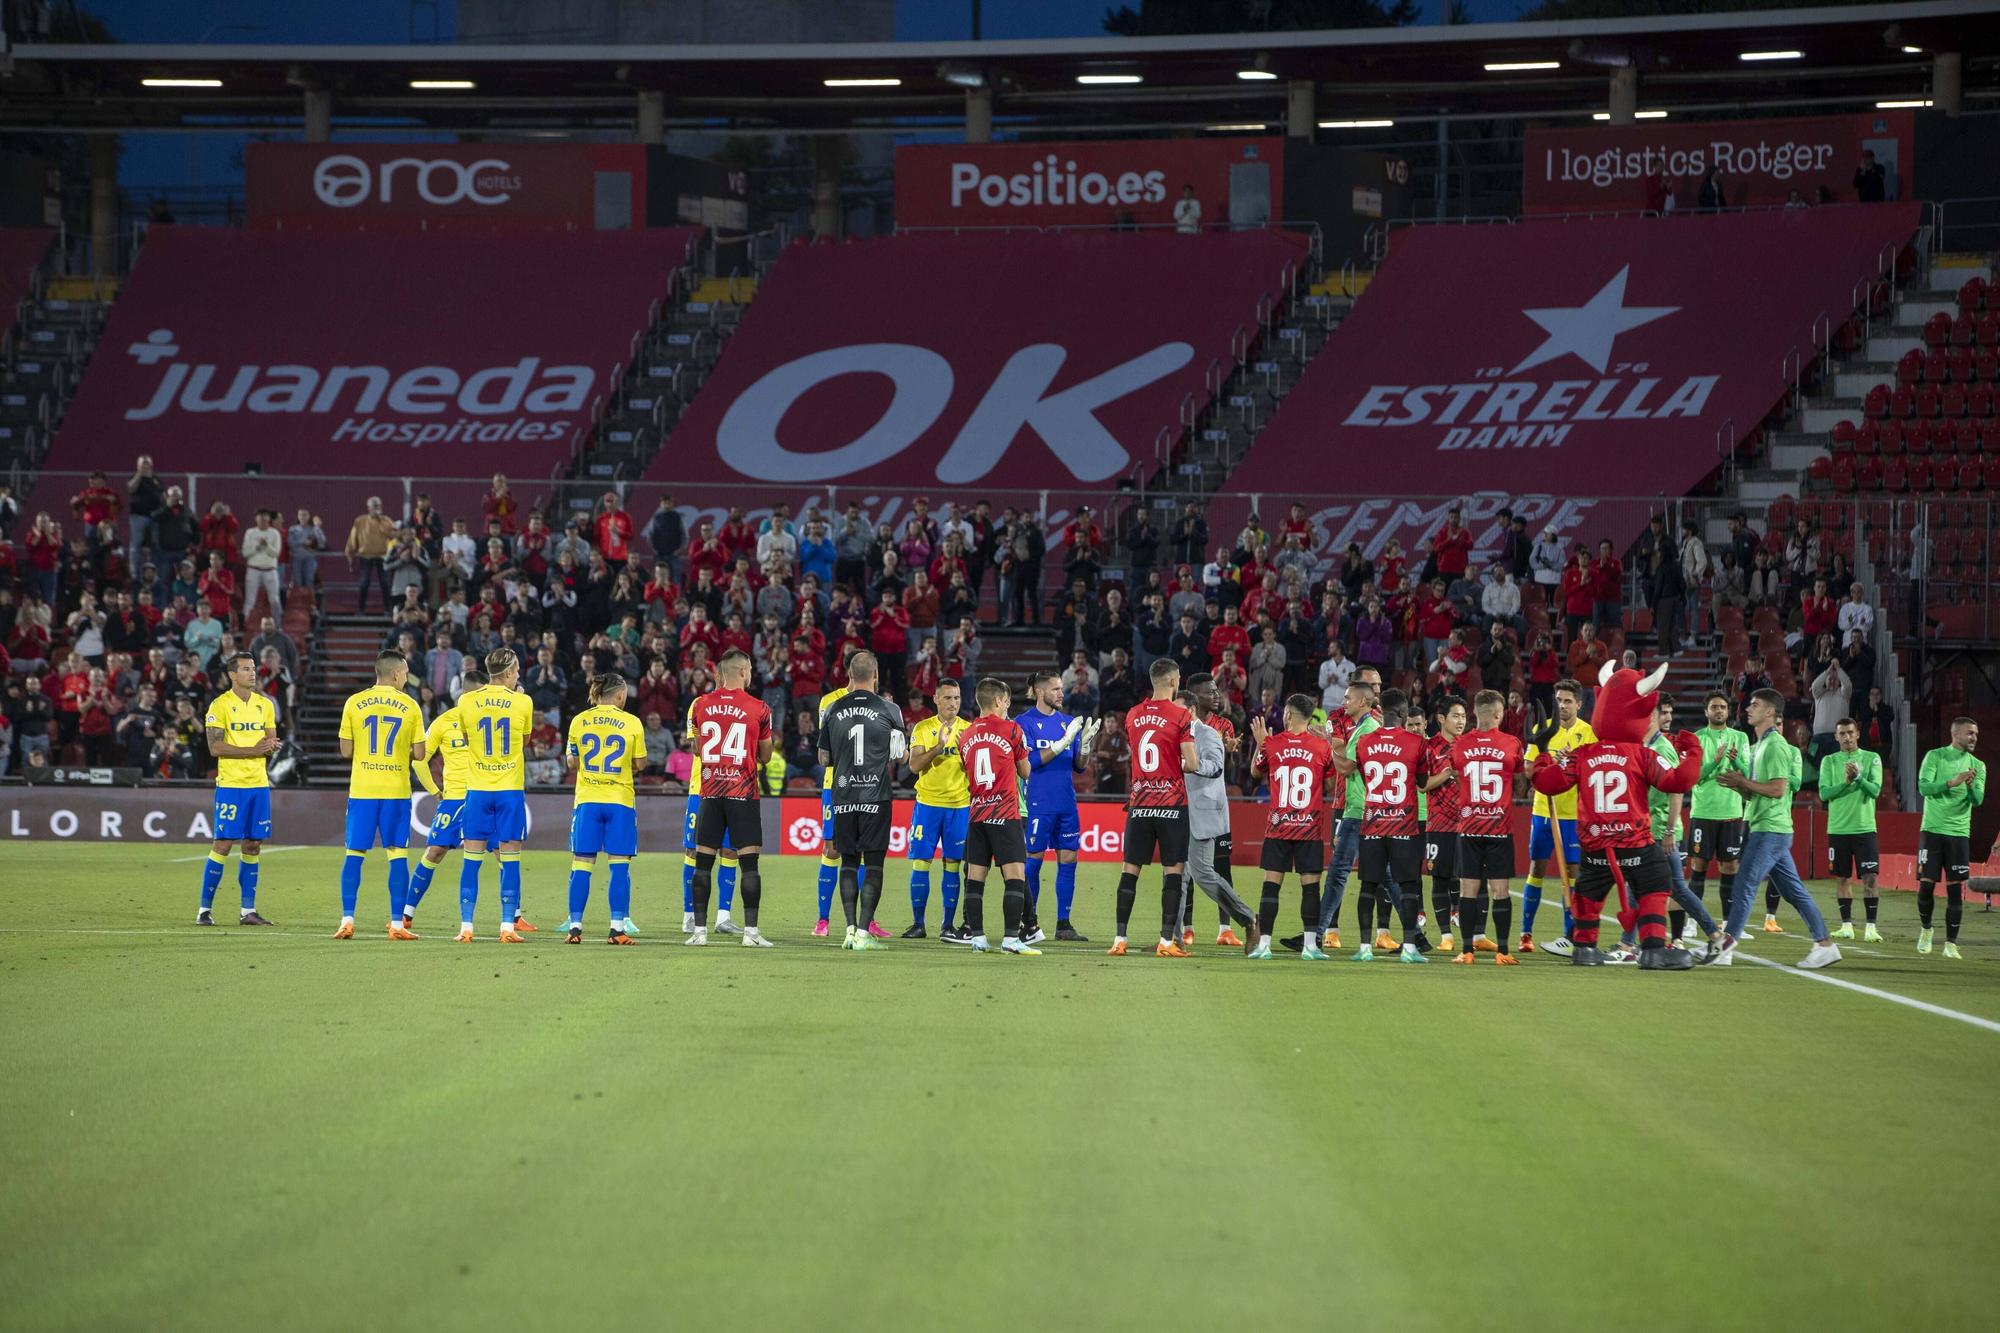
(1948,82)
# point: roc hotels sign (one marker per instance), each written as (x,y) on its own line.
(1073,184)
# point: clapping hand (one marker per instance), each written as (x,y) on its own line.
(1088,736)
(1260,729)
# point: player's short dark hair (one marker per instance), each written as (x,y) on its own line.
(732,660)
(1771,699)
(1662,700)
(230,665)
(1200,680)
(1185,698)
(606,686)
(472,675)
(948,683)
(1395,705)
(1163,670)
(386,663)
(499,662)
(1963,721)
(1450,702)
(1041,678)
(861,666)
(1302,704)
(1489,699)
(1847,722)
(991,690)
(1715,694)
(1571,687)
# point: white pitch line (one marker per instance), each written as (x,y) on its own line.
(177,860)
(1938,1009)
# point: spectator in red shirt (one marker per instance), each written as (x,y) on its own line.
(1818,612)
(1083,548)
(614,531)
(735,634)
(1544,670)
(218,586)
(96,502)
(1229,634)
(1587,656)
(1390,568)
(1578,591)
(221,535)
(808,670)
(921,600)
(1452,546)
(889,638)
(1436,617)
(738,536)
(1610,576)
(701,630)
(45,548)
(707,551)
(500,506)
(1296,525)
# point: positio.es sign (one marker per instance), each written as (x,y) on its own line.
(1040,184)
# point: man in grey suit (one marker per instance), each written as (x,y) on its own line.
(1208,822)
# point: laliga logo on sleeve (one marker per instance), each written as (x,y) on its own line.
(346,181)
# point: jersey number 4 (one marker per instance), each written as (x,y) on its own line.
(982,769)
(719,742)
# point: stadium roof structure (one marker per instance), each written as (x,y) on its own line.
(1777,60)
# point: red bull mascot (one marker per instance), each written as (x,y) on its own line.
(1613,776)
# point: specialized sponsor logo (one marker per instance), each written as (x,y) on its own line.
(346,181)
(489,405)
(1498,409)
(1053,181)
(923,385)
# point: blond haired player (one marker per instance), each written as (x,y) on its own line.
(445,740)
(943,811)
(496,718)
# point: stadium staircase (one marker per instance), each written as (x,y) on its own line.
(42,359)
(345,662)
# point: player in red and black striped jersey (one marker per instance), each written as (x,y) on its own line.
(1297,762)
(1159,735)
(1392,763)
(1488,762)
(995,755)
(1441,821)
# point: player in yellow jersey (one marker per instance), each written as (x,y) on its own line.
(381,732)
(943,812)
(444,740)
(606,747)
(1565,731)
(725,855)
(496,718)
(242,729)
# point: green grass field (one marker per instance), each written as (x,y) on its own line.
(232,1129)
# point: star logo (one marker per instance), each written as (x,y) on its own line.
(1589,330)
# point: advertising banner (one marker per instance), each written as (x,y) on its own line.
(1095,182)
(443,184)
(1547,364)
(365,353)
(1016,361)
(1607,167)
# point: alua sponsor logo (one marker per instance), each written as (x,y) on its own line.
(1496,409)
(491,404)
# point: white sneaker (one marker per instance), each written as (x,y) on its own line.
(979,944)
(754,939)
(1621,954)
(1035,936)
(1822,955)
(724,926)
(1558,946)
(687,923)
(629,926)
(1720,957)
(696,936)
(1688,931)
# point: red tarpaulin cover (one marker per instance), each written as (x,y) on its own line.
(1549,363)
(454,354)
(977,363)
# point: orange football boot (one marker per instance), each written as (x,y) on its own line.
(1505,960)
(525,926)
(1527,944)
(1385,941)
(1187,937)
(1331,942)
(464,935)
(345,932)
(1117,949)
(1168,949)
(1483,945)
(1466,958)
(1228,939)
(620,937)
(507,936)
(399,931)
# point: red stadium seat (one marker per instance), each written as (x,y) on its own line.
(1963,363)
(1778,516)
(1910,367)
(1917,436)
(1844,433)
(1921,475)
(1937,330)
(1989,436)
(1867,439)
(1895,475)
(1868,472)
(1986,330)
(1836,515)
(1972,294)
(1929,401)
(1990,471)
(1951,402)
(1937,367)
(1987,367)
(1965,436)
(1979,400)
(1964,331)
(1876,403)
(1820,469)
(1765,620)
(1890,434)
(1841,471)
(1729,618)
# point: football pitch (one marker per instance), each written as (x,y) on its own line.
(238,1128)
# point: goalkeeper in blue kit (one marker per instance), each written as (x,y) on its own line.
(1058,745)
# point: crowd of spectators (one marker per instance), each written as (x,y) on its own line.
(115,620)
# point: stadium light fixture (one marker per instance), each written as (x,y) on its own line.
(1904,104)
(443,85)
(1913,50)
(1110,78)
(962,76)
(1258,75)
(1516,66)
(180,83)
(1636,115)
(1356,124)
(1248,127)
(1772,55)
(862,83)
